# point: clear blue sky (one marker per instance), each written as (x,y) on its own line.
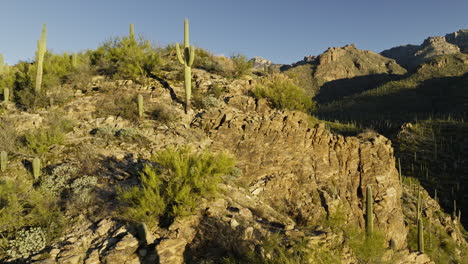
(282,31)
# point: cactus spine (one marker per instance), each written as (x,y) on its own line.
(369,212)
(36,165)
(420,236)
(6,94)
(132,32)
(41,50)
(187,61)
(3,161)
(140,105)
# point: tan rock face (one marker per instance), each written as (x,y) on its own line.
(309,172)
(349,62)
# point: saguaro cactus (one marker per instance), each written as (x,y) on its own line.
(74,60)
(140,105)
(41,50)
(3,161)
(369,212)
(132,32)
(420,236)
(6,94)
(187,61)
(36,165)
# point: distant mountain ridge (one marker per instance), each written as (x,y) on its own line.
(411,56)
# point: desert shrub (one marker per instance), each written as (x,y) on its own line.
(8,136)
(277,250)
(174,185)
(22,206)
(205,101)
(118,105)
(164,114)
(27,242)
(41,140)
(58,180)
(125,58)
(83,72)
(368,249)
(241,65)
(283,93)
(64,182)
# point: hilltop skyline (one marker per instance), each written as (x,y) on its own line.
(283,33)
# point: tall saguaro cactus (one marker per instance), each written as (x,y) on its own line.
(41,50)
(369,212)
(187,61)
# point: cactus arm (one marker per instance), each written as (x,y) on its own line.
(179,55)
(191,56)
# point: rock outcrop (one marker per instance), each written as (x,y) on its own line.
(459,38)
(349,62)
(260,63)
(309,172)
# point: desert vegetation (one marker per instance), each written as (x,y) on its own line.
(156,149)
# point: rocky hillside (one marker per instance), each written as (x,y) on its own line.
(97,168)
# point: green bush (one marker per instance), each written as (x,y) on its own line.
(283,93)
(41,140)
(175,185)
(22,206)
(241,65)
(367,249)
(125,58)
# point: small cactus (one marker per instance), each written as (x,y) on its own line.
(140,105)
(420,236)
(36,166)
(3,161)
(6,94)
(369,212)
